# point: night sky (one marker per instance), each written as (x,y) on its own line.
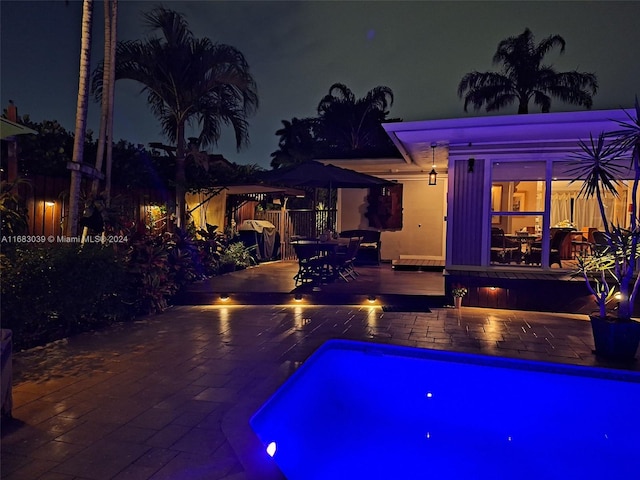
(297,50)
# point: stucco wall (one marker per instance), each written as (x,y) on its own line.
(211,212)
(422,233)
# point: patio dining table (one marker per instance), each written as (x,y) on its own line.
(320,259)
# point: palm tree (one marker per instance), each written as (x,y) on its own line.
(349,124)
(187,80)
(297,142)
(524,78)
(81,119)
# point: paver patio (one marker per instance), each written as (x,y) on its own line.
(170,396)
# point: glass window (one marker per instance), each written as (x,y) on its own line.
(570,209)
(517,208)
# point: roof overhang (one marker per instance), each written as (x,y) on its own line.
(10,129)
(504,132)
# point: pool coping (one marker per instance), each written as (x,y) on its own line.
(244,442)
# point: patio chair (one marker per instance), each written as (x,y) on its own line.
(309,263)
(535,256)
(503,249)
(344,261)
(600,243)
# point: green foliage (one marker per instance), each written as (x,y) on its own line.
(50,292)
(53,291)
(13,211)
(597,165)
(346,127)
(235,256)
(524,77)
(147,261)
(211,244)
(48,152)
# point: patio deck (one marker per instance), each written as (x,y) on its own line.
(272,283)
(415,288)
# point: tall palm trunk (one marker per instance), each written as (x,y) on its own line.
(81,118)
(181,179)
(112,87)
(105,141)
(104,108)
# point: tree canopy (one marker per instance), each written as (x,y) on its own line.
(346,127)
(524,78)
(187,80)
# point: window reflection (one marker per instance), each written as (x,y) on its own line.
(518,214)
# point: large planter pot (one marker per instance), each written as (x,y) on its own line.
(615,339)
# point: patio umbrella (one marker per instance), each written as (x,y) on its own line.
(9,129)
(313,174)
(318,175)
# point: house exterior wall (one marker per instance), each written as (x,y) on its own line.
(466,201)
(211,212)
(422,233)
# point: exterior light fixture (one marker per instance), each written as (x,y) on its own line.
(224,297)
(297,297)
(371,298)
(433,174)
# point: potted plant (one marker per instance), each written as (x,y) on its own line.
(610,273)
(458,291)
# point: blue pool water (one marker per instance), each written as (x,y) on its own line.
(356,410)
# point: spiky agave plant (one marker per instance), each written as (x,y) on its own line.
(599,167)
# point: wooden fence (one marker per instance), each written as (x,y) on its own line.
(47,202)
(305,223)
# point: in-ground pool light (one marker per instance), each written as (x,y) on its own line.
(271,449)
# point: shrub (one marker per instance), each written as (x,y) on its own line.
(235,256)
(50,292)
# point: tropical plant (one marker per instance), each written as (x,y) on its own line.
(51,292)
(524,78)
(148,263)
(297,144)
(236,256)
(346,126)
(600,169)
(187,79)
(353,126)
(13,211)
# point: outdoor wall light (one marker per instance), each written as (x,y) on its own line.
(224,297)
(297,297)
(493,289)
(371,298)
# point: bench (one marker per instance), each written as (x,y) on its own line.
(369,250)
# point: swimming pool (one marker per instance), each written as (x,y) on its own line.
(356,410)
